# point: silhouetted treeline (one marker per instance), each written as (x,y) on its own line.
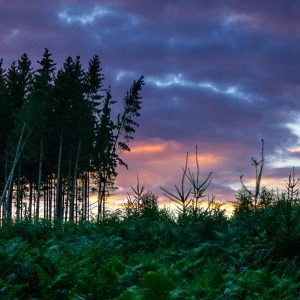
(58,140)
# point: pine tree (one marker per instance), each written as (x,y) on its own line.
(3,124)
(37,112)
(112,137)
(19,84)
(105,159)
(126,124)
(3,130)
(76,119)
(58,133)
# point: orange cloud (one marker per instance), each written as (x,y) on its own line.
(153,150)
(152,146)
(148,149)
(268,182)
(205,159)
(295,150)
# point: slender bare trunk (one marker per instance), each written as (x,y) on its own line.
(9,180)
(99,199)
(50,196)
(19,205)
(58,199)
(74,185)
(37,212)
(86,204)
(103,199)
(45,199)
(30,200)
(9,201)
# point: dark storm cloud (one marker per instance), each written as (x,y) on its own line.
(220,74)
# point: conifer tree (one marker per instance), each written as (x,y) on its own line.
(58,132)
(126,124)
(112,137)
(75,113)
(19,84)
(105,159)
(3,130)
(3,124)
(37,112)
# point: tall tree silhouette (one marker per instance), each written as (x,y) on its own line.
(58,133)
(37,113)
(76,120)
(105,159)
(115,137)
(4,128)
(19,84)
(3,124)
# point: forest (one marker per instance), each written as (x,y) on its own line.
(60,142)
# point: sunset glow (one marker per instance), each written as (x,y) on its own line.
(217,76)
(145,149)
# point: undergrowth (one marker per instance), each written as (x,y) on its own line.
(153,255)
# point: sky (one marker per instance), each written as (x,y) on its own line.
(221,75)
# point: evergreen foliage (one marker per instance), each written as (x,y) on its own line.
(67,140)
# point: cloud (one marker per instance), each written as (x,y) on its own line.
(178,80)
(92,14)
(219,74)
(85,18)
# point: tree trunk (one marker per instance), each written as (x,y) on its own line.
(58,199)
(37,212)
(9,181)
(68,189)
(45,199)
(103,199)
(99,199)
(74,185)
(86,192)
(19,205)
(30,200)
(50,197)
(9,201)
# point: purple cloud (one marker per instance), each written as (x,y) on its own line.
(218,74)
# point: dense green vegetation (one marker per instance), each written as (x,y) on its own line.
(142,252)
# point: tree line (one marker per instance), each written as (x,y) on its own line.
(58,139)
